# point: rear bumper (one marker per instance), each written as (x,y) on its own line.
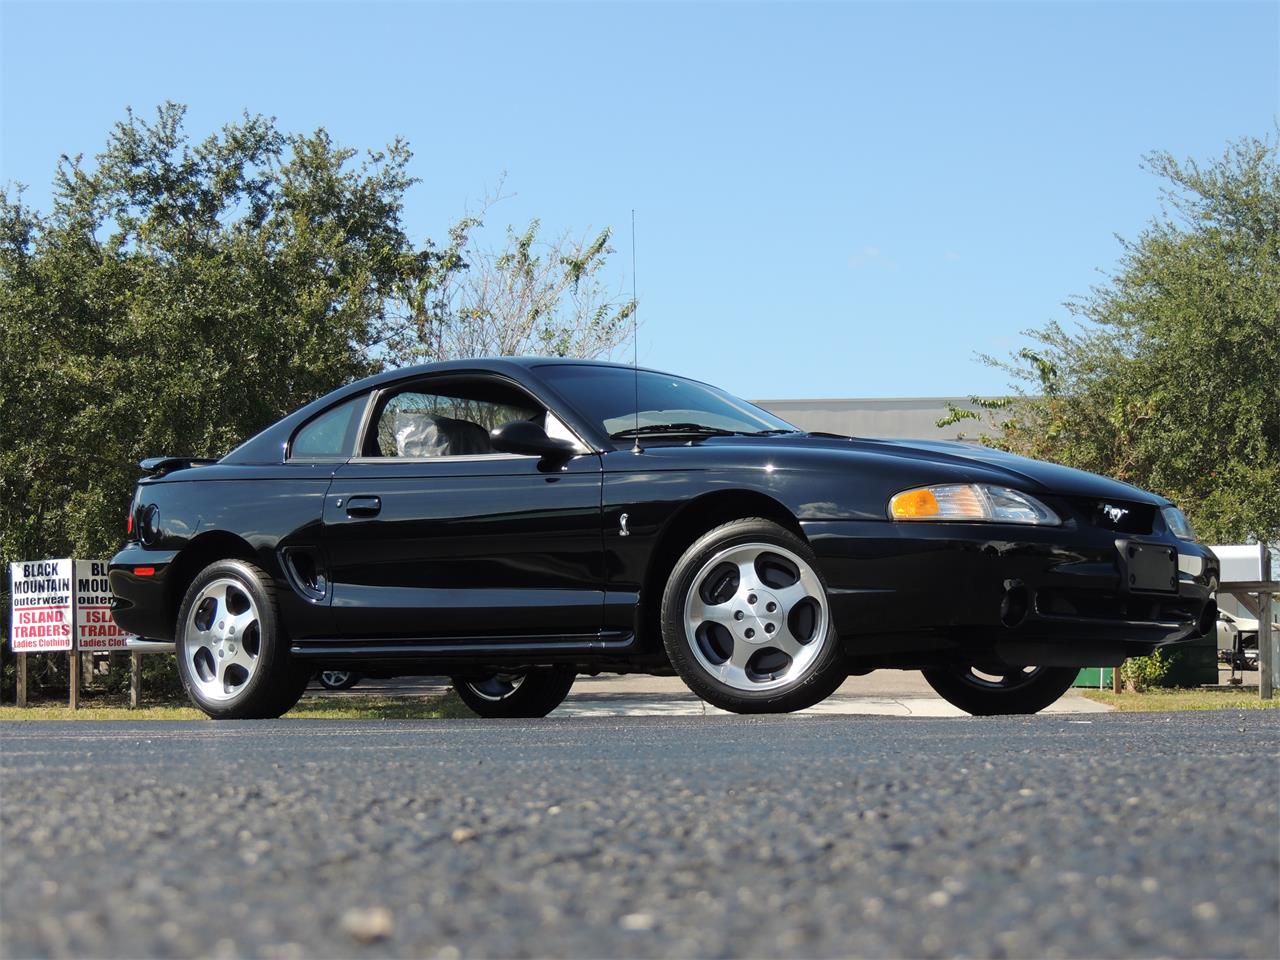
(1052,596)
(140,603)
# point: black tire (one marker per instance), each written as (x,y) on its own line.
(276,681)
(812,684)
(524,694)
(1014,694)
(338,679)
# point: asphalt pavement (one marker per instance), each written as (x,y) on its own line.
(1109,835)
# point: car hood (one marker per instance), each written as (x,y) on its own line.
(1023,472)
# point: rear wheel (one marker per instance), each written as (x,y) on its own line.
(338,679)
(1011,690)
(233,657)
(526,694)
(746,621)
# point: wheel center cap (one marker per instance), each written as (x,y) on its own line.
(761,620)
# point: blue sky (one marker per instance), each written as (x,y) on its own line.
(843,199)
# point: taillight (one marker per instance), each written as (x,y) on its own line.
(131,518)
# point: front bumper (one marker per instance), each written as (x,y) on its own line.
(1052,596)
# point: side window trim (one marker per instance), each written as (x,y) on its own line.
(446,458)
(365,421)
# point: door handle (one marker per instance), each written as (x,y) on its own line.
(363,506)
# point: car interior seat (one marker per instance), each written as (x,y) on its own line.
(420,434)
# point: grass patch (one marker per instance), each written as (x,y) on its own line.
(447,707)
(1167,700)
(98,711)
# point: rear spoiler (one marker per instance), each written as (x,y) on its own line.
(159,466)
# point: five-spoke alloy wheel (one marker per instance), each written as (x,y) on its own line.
(223,639)
(332,679)
(747,623)
(231,657)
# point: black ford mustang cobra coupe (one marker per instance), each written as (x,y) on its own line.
(514,522)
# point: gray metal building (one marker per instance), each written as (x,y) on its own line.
(907,417)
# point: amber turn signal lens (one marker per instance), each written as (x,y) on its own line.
(914,503)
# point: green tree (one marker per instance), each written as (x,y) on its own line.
(177,298)
(531,295)
(180,296)
(1170,379)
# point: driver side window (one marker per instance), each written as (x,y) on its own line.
(451,419)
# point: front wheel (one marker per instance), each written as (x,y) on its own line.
(1011,690)
(527,694)
(233,656)
(747,623)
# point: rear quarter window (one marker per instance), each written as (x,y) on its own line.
(329,435)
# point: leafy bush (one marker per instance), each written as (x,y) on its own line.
(1142,673)
(160,680)
(46,674)
(47,677)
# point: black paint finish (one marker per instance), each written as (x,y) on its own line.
(466,545)
(505,559)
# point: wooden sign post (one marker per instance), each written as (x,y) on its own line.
(135,679)
(73,659)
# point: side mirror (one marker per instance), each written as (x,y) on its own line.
(527,438)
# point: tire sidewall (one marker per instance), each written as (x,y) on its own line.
(273,654)
(543,689)
(1044,689)
(818,681)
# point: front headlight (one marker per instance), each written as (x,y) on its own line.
(970,501)
(1177,523)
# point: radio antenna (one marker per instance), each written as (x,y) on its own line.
(635,334)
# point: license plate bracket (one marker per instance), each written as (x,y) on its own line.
(1148,567)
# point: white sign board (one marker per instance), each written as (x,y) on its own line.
(1240,562)
(43,615)
(95,628)
(1248,562)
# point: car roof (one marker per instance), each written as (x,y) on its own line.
(496,364)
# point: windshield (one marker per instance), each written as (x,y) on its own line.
(607,396)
